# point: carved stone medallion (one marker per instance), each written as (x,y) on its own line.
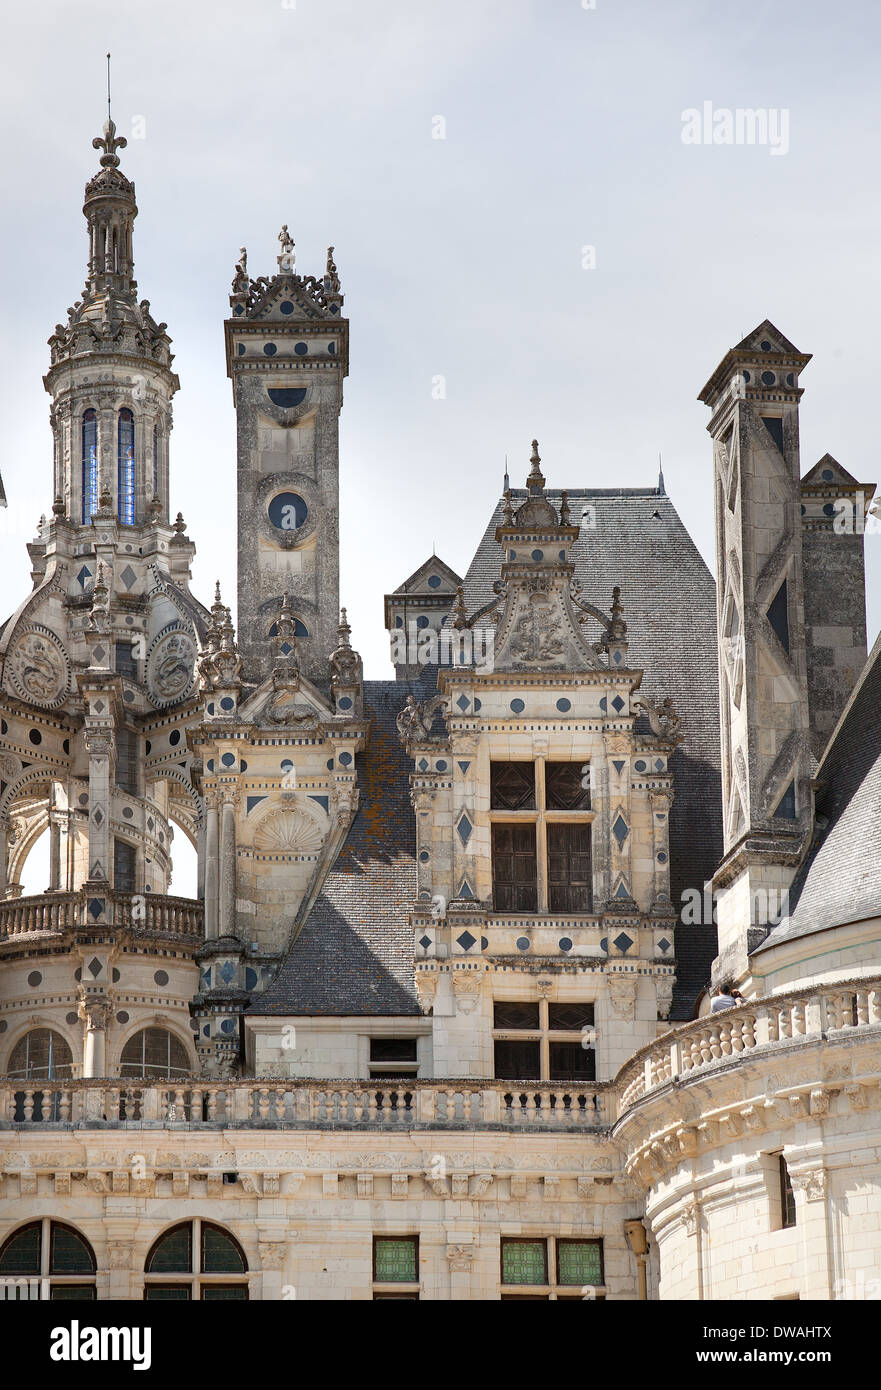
(171,665)
(39,671)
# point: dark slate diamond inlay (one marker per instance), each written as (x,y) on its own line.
(83,575)
(619,829)
(425,942)
(466,940)
(664,944)
(226,971)
(623,942)
(95,967)
(463,702)
(618,703)
(96,907)
(128,576)
(464,829)
(99,655)
(422,765)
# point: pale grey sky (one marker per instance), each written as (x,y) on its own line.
(460,257)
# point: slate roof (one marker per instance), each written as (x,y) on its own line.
(840,879)
(669,597)
(355,953)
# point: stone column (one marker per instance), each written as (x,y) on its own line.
(95,1013)
(227,905)
(4,848)
(55,821)
(211,872)
(460,1258)
(120,1241)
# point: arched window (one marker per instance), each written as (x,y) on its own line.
(154,1052)
(155,460)
(90,465)
(125,468)
(47,1252)
(196,1260)
(41,1055)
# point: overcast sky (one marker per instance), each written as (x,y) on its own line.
(460,257)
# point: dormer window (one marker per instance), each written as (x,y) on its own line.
(541,837)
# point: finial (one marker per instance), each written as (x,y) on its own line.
(180,525)
(508,512)
(109,142)
(661,488)
(58,506)
(217,598)
(507,483)
(617,628)
(535,482)
(344,629)
(564,509)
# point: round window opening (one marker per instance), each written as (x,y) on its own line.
(288,511)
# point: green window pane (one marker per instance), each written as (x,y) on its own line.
(395,1262)
(234,1291)
(172,1254)
(156,1294)
(75,1293)
(524,1262)
(21,1253)
(69,1253)
(220,1255)
(579,1261)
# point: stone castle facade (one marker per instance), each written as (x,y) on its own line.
(437,1024)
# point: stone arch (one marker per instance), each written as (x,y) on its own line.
(34,1022)
(192,828)
(168,1025)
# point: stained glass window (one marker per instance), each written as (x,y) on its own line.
(90,465)
(524,1262)
(395,1260)
(125,473)
(48,1251)
(579,1262)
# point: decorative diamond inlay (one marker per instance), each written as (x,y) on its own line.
(95,967)
(99,654)
(98,816)
(425,942)
(464,829)
(96,907)
(422,765)
(463,702)
(618,703)
(226,971)
(128,576)
(664,944)
(466,940)
(659,764)
(623,942)
(619,829)
(83,575)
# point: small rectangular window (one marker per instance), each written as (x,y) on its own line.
(567,786)
(509,1015)
(570,876)
(127,761)
(124,862)
(125,661)
(512,786)
(570,1018)
(517,1061)
(579,1262)
(524,1261)
(787,1196)
(393,1049)
(515,874)
(570,1061)
(396,1259)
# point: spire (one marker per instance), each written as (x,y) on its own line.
(535,482)
(506,486)
(661,488)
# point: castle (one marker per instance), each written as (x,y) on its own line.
(437,1024)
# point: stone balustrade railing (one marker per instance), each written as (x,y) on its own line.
(386,1105)
(146,913)
(802,1015)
